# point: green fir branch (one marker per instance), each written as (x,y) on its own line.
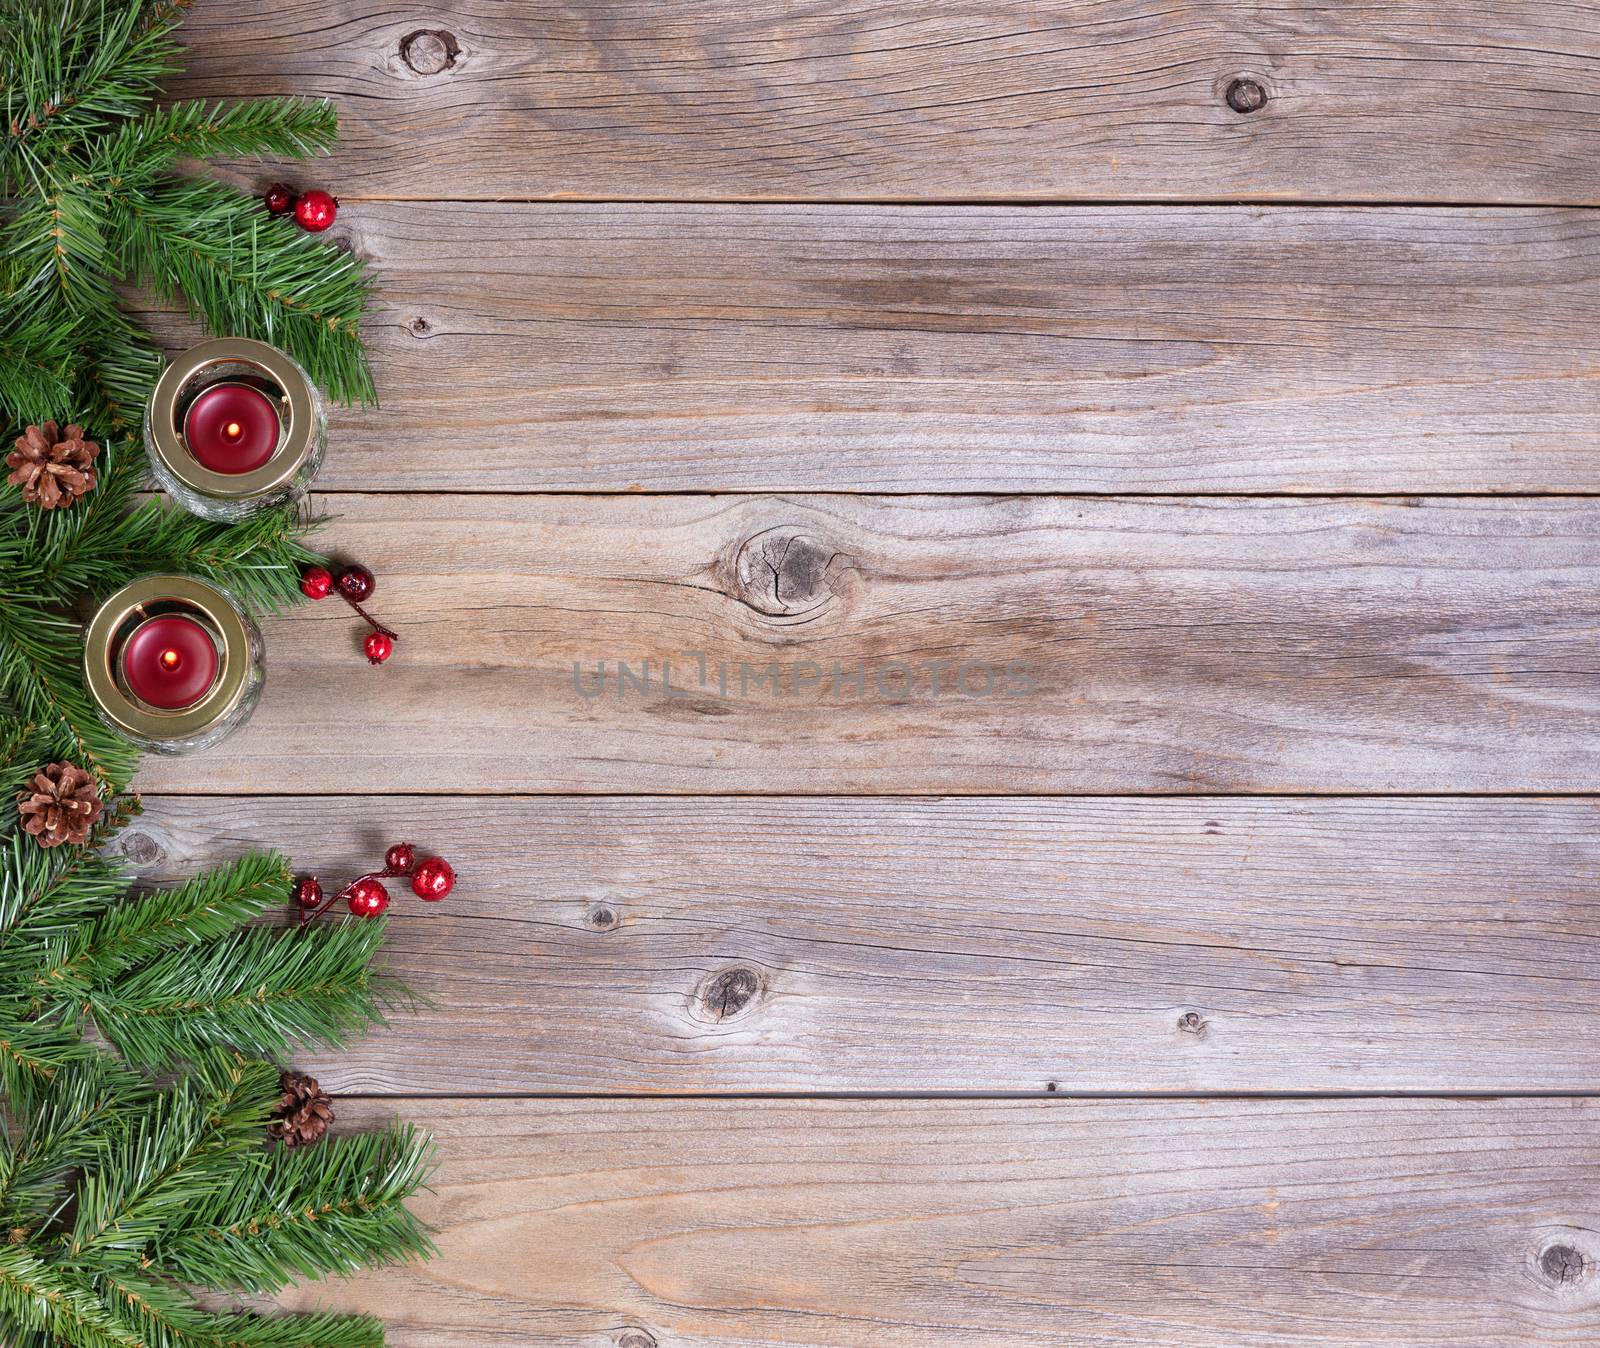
(72,68)
(197,911)
(116,1195)
(36,354)
(61,241)
(68,1131)
(165,1316)
(41,675)
(33,1054)
(187,1147)
(261,991)
(140,149)
(45,893)
(329,1209)
(258,560)
(22,748)
(118,370)
(246,273)
(44,1299)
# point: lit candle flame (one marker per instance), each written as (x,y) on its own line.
(170,659)
(233,430)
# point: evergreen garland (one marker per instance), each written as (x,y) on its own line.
(118,1196)
(133,1161)
(90,200)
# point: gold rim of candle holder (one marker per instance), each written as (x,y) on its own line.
(296,408)
(194,598)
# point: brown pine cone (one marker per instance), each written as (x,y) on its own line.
(60,805)
(304,1111)
(53,467)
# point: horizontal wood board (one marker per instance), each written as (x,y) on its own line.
(827,945)
(765,1224)
(607,348)
(1435,100)
(1079,645)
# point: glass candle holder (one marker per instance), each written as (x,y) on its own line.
(172,663)
(234,425)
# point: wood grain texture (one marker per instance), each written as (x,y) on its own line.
(855,1224)
(787,348)
(827,945)
(1078,645)
(657,944)
(1441,100)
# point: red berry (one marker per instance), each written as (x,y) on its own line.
(433,879)
(315,210)
(317,583)
(280,199)
(356,583)
(367,898)
(379,648)
(400,858)
(307,893)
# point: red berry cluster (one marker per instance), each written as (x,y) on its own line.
(431,879)
(355,585)
(313,211)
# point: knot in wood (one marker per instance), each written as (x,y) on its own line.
(1246,96)
(601,917)
(429,51)
(636,1338)
(730,992)
(1562,1265)
(141,849)
(1191,1022)
(783,572)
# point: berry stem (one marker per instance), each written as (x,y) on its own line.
(307,918)
(372,622)
(387,873)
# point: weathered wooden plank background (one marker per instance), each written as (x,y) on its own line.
(709,348)
(938,644)
(848,944)
(753,1224)
(1265,441)
(1438,100)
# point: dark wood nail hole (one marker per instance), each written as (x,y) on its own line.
(730,992)
(783,571)
(1246,96)
(429,51)
(1191,1022)
(1562,1264)
(141,849)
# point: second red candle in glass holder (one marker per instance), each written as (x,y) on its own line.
(173,663)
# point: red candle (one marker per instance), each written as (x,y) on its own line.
(231,428)
(169,662)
